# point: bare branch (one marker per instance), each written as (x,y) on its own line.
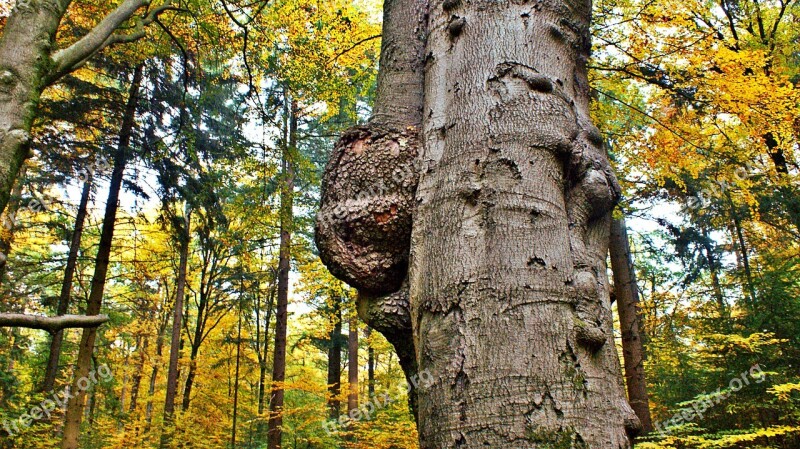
(352,47)
(103,35)
(51,324)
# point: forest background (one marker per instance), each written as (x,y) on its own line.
(214,130)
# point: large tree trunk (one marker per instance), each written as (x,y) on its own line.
(335,360)
(626,291)
(508,285)
(75,406)
(25,61)
(275,423)
(66,286)
(177,320)
(352,365)
(510,311)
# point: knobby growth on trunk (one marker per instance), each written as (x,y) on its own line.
(503,298)
(363,228)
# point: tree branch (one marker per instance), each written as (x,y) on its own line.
(651,117)
(51,324)
(103,35)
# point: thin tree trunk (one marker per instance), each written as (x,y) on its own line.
(352,365)
(262,363)
(262,375)
(236,379)
(175,344)
(51,372)
(509,292)
(713,269)
(124,388)
(193,353)
(275,424)
(138,373)
(162,329)
(751,290)
(74,413)
(370,365)
(626,291)
(335,360)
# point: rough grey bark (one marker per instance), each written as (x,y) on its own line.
(626,291)
(51,372)
(510,307)
(363,228)
(29,63)
(507,288)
